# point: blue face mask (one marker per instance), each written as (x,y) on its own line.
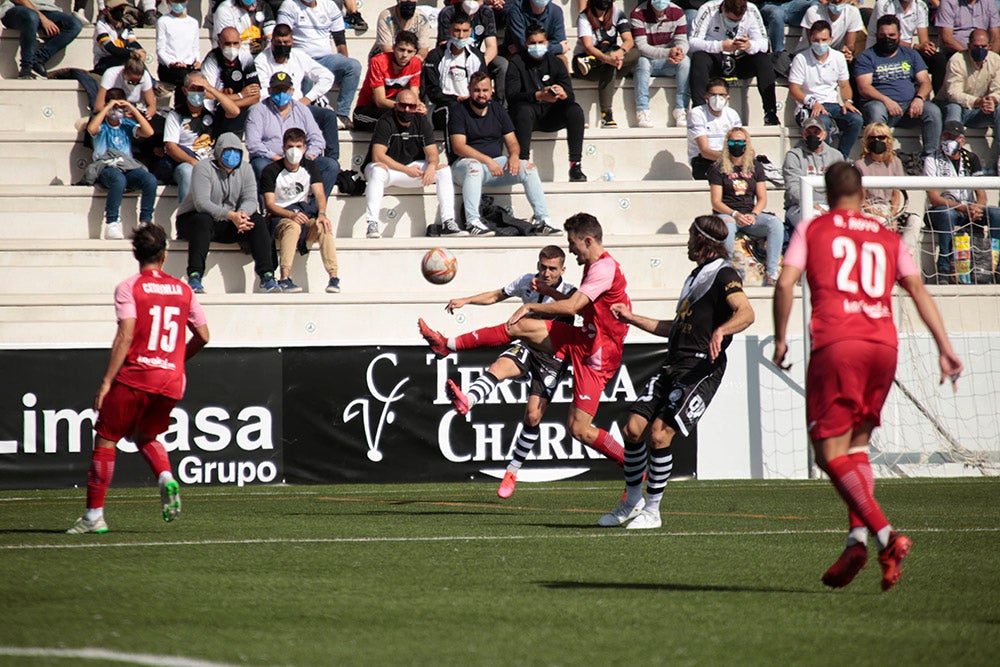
(659,5)
(460,43)
(248,3)
(282,99)
(196,98)
(820,49)
(729,23)
(835,10)
(538,51)
(178,7)
(541,4)
(232,157)
(979,53)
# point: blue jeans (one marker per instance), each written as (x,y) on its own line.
(327,120)
(974,118)
(944,220)
(347,72)
(118,181)
(472,175)
(182,177)
(849,124)
(766,226)
(328,170)
(646,68)
(875,112)
(26,21)
(774,23)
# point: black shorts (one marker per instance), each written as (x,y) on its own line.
(542,371)
(681,393)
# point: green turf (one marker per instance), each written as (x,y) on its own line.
(451,575)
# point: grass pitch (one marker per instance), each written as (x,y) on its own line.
(452,575)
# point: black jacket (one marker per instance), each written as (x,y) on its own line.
(430,77)
(526,76)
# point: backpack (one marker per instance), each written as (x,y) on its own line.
(351,183)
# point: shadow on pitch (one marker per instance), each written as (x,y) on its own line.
(667,586)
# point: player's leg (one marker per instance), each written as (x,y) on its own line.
(634,466)
(154,420)
(530,330)
(526,440)
(661,464)
(508,365)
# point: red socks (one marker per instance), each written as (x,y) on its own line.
(864,468)
(607,445)
(102,469)
(855,486)
(156,457)
(485,337)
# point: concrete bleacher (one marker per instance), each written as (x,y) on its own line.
(58,275)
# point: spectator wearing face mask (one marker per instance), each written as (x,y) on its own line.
(484,35)
(402,16)
(177,48)
(812,157)
(605,52)
(449,67)
(660,33)
(845,23)
(914,21)
(543,12)
(971,90)
(707,127)
(955,21)
(231,69)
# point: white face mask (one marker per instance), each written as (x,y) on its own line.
(294,154)
(470,7)
(949,146)
(230,52)
(717,102)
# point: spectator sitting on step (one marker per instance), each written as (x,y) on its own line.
(268,122)
(134,79)
(253,21)
(522,13)
(728,39)
(295,201)
(144,11)
(955,21)
(600,56)
(971,91)
(845,23)
(112,130)
(707,127)
(222,208)
(445,77)
(177,47)
(388,73)
(40,20)
(739,197)
(403,153)
(812,157)
(540,97)
(660,33)
(402,16)
(190,131)
(914,21)
(231,69)
(484,36)
(114,39)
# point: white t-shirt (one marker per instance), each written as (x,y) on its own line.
(299,66)
(702,122)
(177,40)
(521,288)
(114,77)
(312,26)
(619,23)
(457,80)
(909,19)
(179,130)
(819,79)
(848,21)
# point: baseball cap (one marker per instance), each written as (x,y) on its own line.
(953,127)
(812,121)
(280,80)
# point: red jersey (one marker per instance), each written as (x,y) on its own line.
(851,262)
(162,308)
(380,74)
(604,284)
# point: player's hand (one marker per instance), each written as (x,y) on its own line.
(780,350)
(455,304)
(621,312)
(495,169)
(951,368)
(715,345)
(105,387)
(849,107)
(429,174)
(848,53)
(251,90)
(514,165)
(519,314)
(543,287)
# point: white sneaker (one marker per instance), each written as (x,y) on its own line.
(622,513)
(479,229)
(680,118)
(645,519)
(113,231)
(643,118)
(83,526)
(81,14)
(373,232)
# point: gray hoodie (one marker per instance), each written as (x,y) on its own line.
(800,161)
(217,193)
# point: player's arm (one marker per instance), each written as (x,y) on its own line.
(198,340)
(647,324)
(951,365)
(483,299)
(783,298)
(565,308)
(742,317)
(119,350)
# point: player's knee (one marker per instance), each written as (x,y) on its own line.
(533,417)
(661,438)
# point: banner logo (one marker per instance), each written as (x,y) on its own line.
(361,406)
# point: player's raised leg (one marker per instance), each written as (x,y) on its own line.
(533,331)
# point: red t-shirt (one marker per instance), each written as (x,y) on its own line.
(162,307)
(380,74)
(604,284)
(851,262)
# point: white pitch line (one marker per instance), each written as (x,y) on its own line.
(467,538)
(105,654)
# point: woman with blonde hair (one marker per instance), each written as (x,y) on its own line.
(878,158)
(739,197)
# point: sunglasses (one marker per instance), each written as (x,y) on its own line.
(406,107)
(879,137)
(731,143)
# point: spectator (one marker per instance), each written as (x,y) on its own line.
(660,33)
(728,39)
(707,128)
(818,81)
(894,85)
(190,131)
(777,15)
(403,153)
(222,207)
(112,130)
(312,24)
(739,197)
(523,13)
(177,48)
(253,21)
(478,130)
(403,16)
(540,97)
(953,209)
(134,80)
(599,56)
(811,157)
(845,23)
(295,200)
(281,56)
(913,32)
(484,36)
(352,16)
(57,27)
(268,122)
(388,73)
(114,40)
(231,69)
(445,77)
(878,158)
(146,16)
(956,19)
(972,87)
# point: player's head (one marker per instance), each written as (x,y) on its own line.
(585,237)
(843,186)
(707,239)
(551,264)
(149,245)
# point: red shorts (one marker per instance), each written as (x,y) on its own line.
(127,412)
(846,385)
(593,366)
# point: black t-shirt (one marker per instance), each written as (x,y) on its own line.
(483,133)
(695,322)
(236,76)
(483,24)
(739,188)
(403,144)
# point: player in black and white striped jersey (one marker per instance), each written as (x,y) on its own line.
(542,371)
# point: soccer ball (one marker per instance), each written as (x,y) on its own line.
(439,266)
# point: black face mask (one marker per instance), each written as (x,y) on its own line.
(886,46)
(479,105)
(407,10)
(877,146)
(813,142)
(737,150)
(405,117)
(281,51)
(602,5)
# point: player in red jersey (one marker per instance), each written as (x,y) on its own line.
(851,262)
(594,350)
(145,375)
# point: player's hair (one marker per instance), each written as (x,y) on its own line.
(134,64)
(552,252)
(878,128)
(535,29)
(734,7)
(820,26)
(725,160)
(460,17)
(282,30)
(843,181)
(149,244)
(293,134)
(407,37)
(582,225)
(476,78)
(708,233)
(717,82)
(114,94)
(888,19)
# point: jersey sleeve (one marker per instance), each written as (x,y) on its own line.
(196,314)
(600,276)
(905,264)
(518,287)
(125,300)
(728,280)
(269,176)
(796,253)
(315,176)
